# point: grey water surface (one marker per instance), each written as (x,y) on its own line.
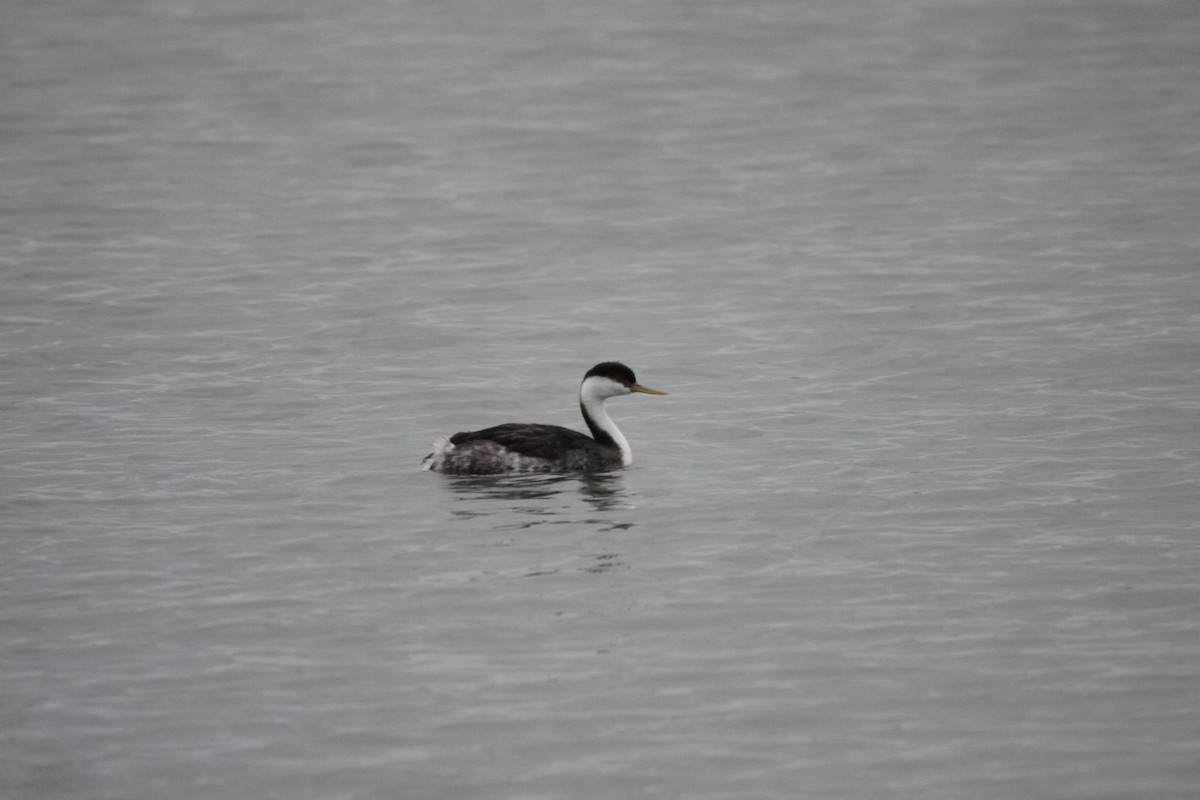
(918,520)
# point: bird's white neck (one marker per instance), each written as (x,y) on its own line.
(604,430)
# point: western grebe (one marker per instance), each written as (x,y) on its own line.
(527,447)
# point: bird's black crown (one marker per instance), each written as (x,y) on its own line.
(613,370)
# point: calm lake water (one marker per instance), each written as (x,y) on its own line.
(920,518)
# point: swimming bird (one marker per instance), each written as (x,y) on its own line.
(529,447)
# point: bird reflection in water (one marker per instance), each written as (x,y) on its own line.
(525,502)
